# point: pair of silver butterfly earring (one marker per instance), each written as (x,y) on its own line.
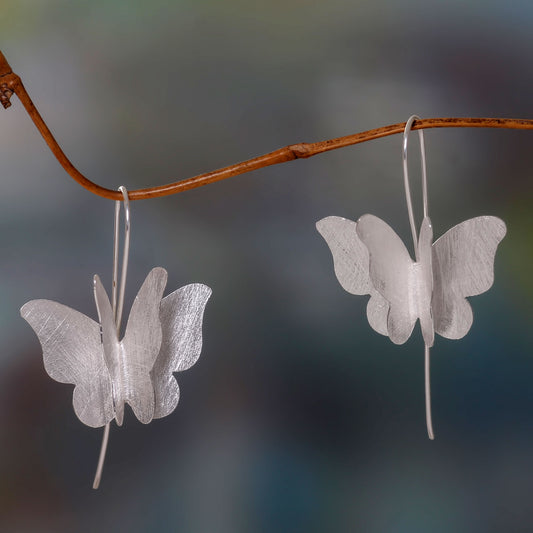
(370,258)
(164,335)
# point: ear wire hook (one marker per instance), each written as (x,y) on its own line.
(116,306)
(407,130)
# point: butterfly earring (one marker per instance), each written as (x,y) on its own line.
(370,258)
(162,336)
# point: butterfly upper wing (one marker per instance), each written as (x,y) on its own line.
(351,263)
(73,353)
(142,343)
(181,321)
(140,346)
(392,274)
(463,265)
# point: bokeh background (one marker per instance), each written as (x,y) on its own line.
(298,416)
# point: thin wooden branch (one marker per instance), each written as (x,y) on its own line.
(11,83)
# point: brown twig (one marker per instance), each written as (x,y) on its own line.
(11,83)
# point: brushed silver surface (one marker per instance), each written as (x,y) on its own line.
(161,337)
(351,264)
(432,289)
(181,320)
(425,281)
(392,273)
(73,353)
(463,265)
(130,360)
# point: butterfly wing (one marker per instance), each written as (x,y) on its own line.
(463,265)
(392,274)
(181,320)
(351,263)
(73,353)
(425,281)
(111,347)
(141,344)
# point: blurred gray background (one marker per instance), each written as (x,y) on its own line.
(298,416)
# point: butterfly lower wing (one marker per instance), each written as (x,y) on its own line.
(463,265)
(351,264)
(141,345)
(73,353)
(181,321)
(392,275)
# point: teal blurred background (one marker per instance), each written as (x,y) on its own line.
(298,416)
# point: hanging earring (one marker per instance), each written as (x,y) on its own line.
(162,336)
(370,258)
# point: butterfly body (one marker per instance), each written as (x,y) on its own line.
(432,289)
(162,336)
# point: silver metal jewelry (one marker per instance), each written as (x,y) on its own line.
(370,258)
(162,336)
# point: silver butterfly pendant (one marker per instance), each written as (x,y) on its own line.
(162,336)
(370,258)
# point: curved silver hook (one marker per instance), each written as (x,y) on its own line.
(117,307)
(407,130)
